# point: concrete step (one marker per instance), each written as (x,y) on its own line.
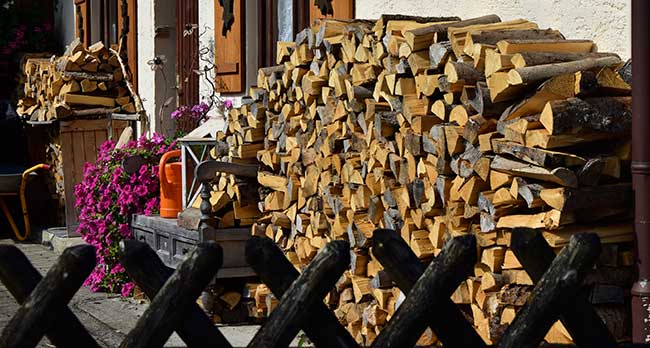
(56,238)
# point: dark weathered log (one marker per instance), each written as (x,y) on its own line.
(147,270)
(604,114)
(21,278)
(524,59)
(173,302)
(428,300)
(540,157)
(52,294)
(597,198)
(559,175)
(269,262)
(578,316)
(96,112)
(79,75)
(310,288)
(492,37)
(221,148)
(590,173)
(538,73)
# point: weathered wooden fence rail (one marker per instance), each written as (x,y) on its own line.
(44,300)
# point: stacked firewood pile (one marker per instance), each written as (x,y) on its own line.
(81,83)
(438,127)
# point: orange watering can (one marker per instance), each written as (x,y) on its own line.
(170,185)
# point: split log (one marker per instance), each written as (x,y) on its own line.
(421,38)
(573,115)
(559,175)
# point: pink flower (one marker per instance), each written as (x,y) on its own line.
(127,289)
(107,196)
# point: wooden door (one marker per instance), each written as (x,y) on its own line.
(187,51)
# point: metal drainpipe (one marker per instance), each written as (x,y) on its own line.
(641,167)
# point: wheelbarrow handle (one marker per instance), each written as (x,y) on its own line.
(35,168)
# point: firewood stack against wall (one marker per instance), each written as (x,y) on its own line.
(439,127)
(83,83)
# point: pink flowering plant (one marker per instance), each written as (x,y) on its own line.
(25,28)
(106,198)
(189,117)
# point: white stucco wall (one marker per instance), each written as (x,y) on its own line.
(206,41)
(157,37)
(606,22)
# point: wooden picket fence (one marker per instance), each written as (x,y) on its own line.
(44,310)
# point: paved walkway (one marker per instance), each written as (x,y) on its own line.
(107,317)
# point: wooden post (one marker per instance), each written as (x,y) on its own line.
(172,304)
(147,270)
(278,274)
(405,269)
(21,278)
(436,284)
(310,288)
(44,305)
(554,292)
(583,323)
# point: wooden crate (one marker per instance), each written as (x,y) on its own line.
(80,141)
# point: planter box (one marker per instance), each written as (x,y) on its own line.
(173,243)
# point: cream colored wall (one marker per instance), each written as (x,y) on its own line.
(607,22)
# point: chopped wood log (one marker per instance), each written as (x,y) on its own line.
(539,157)
(573,115)
(559,175)
(585,198)
(524,59)
(421,38)
(535,73)
(457,71)
(564,46)
(493,37)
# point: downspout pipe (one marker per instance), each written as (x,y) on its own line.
(641,167)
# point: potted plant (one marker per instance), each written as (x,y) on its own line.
(107,197)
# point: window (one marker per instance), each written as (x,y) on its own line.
(112,22)
(281,20)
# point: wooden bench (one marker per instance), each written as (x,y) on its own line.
(173,243)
